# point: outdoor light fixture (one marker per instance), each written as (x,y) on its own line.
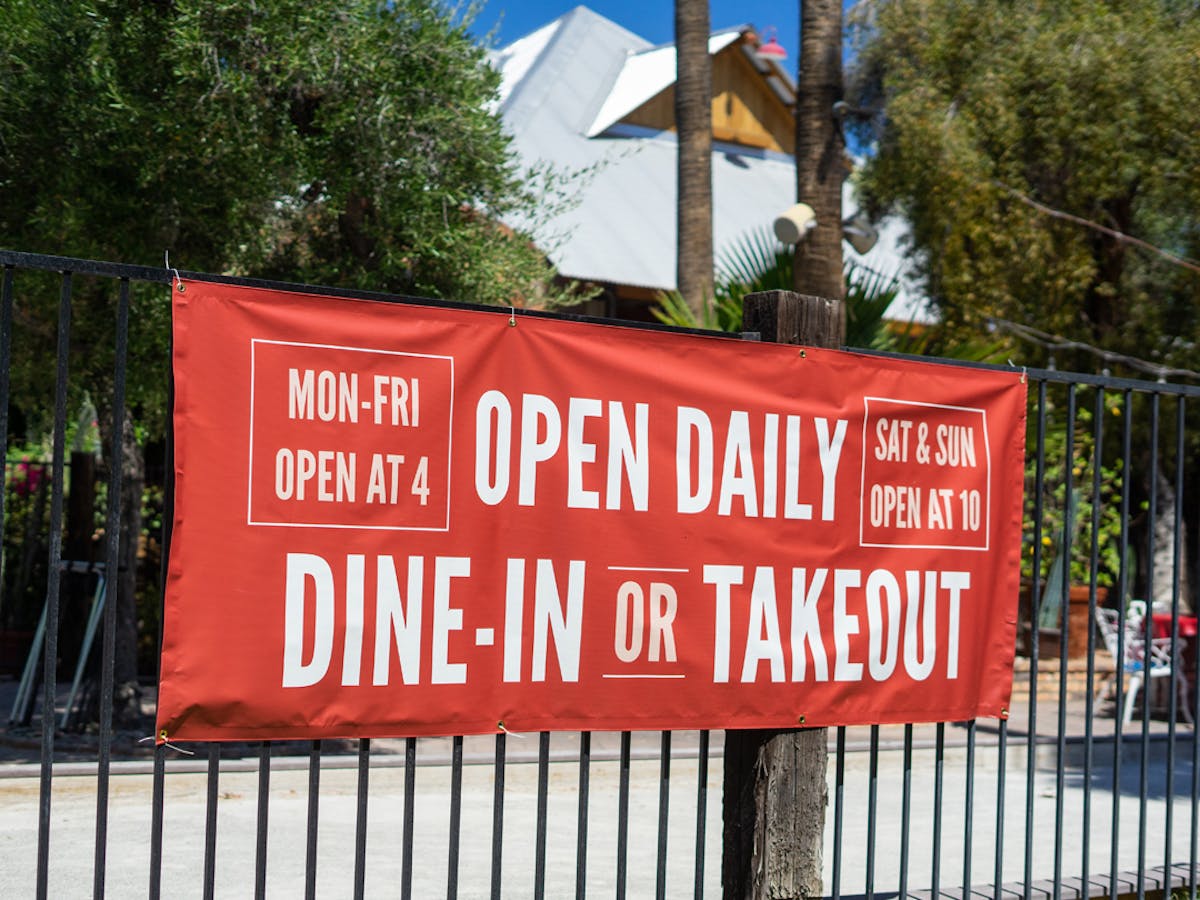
(861,234)
(792,225)
(842,109)
(772,50)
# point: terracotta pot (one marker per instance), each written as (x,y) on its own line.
(1049,639)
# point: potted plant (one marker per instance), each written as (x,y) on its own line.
(1077,525)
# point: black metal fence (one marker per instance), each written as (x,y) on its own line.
(1083,790)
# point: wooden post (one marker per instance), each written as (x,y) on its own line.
(81,502)
(774,789)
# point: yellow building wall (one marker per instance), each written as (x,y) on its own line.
(745,110)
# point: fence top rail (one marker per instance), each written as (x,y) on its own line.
(1056,376)
(15,259)
(162,275)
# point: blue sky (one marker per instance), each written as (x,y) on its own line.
(652,19)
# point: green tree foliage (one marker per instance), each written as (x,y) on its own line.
(352,143)
(1089,107)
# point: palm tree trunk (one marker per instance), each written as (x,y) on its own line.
(693,122)
(820,148)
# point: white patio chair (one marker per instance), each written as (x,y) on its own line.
(1137,663)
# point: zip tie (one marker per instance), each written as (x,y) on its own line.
(500,725)
(1023,370)
(512,317)
(166,743)
(167,265)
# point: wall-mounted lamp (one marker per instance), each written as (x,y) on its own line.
(842,109)
(792,225)
(860,233)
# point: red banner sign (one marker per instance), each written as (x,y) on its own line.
(404,520)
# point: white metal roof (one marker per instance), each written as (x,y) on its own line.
(566,87)
(645,75)
(514,61)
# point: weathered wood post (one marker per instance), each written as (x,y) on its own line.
(81,502)
(774,789)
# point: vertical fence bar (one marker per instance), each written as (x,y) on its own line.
(360,824)
(1001,764)
(314,805)
(498,813)
(1195,791)
(410,798)
(1194,833)
(872,810)
(906,811)
(1176,656)
(1064,550)
(1147,636)
(168,519)
(6,321)
(623,817)
(664,800)
(1094,569)
(456,772)
(581,828)
(543,790)
(1035,598)
(50,650)
(969,809)
(938,766)
(1122,594)
(156,821)
(210,820)
(701,814)
(112,538)
(264,809)
(839,804)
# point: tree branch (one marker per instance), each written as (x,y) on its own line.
(1170,257)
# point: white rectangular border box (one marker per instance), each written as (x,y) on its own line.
(250,465)
(862,482)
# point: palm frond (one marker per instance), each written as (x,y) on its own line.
(757,261)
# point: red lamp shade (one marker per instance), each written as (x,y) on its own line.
(771,50)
